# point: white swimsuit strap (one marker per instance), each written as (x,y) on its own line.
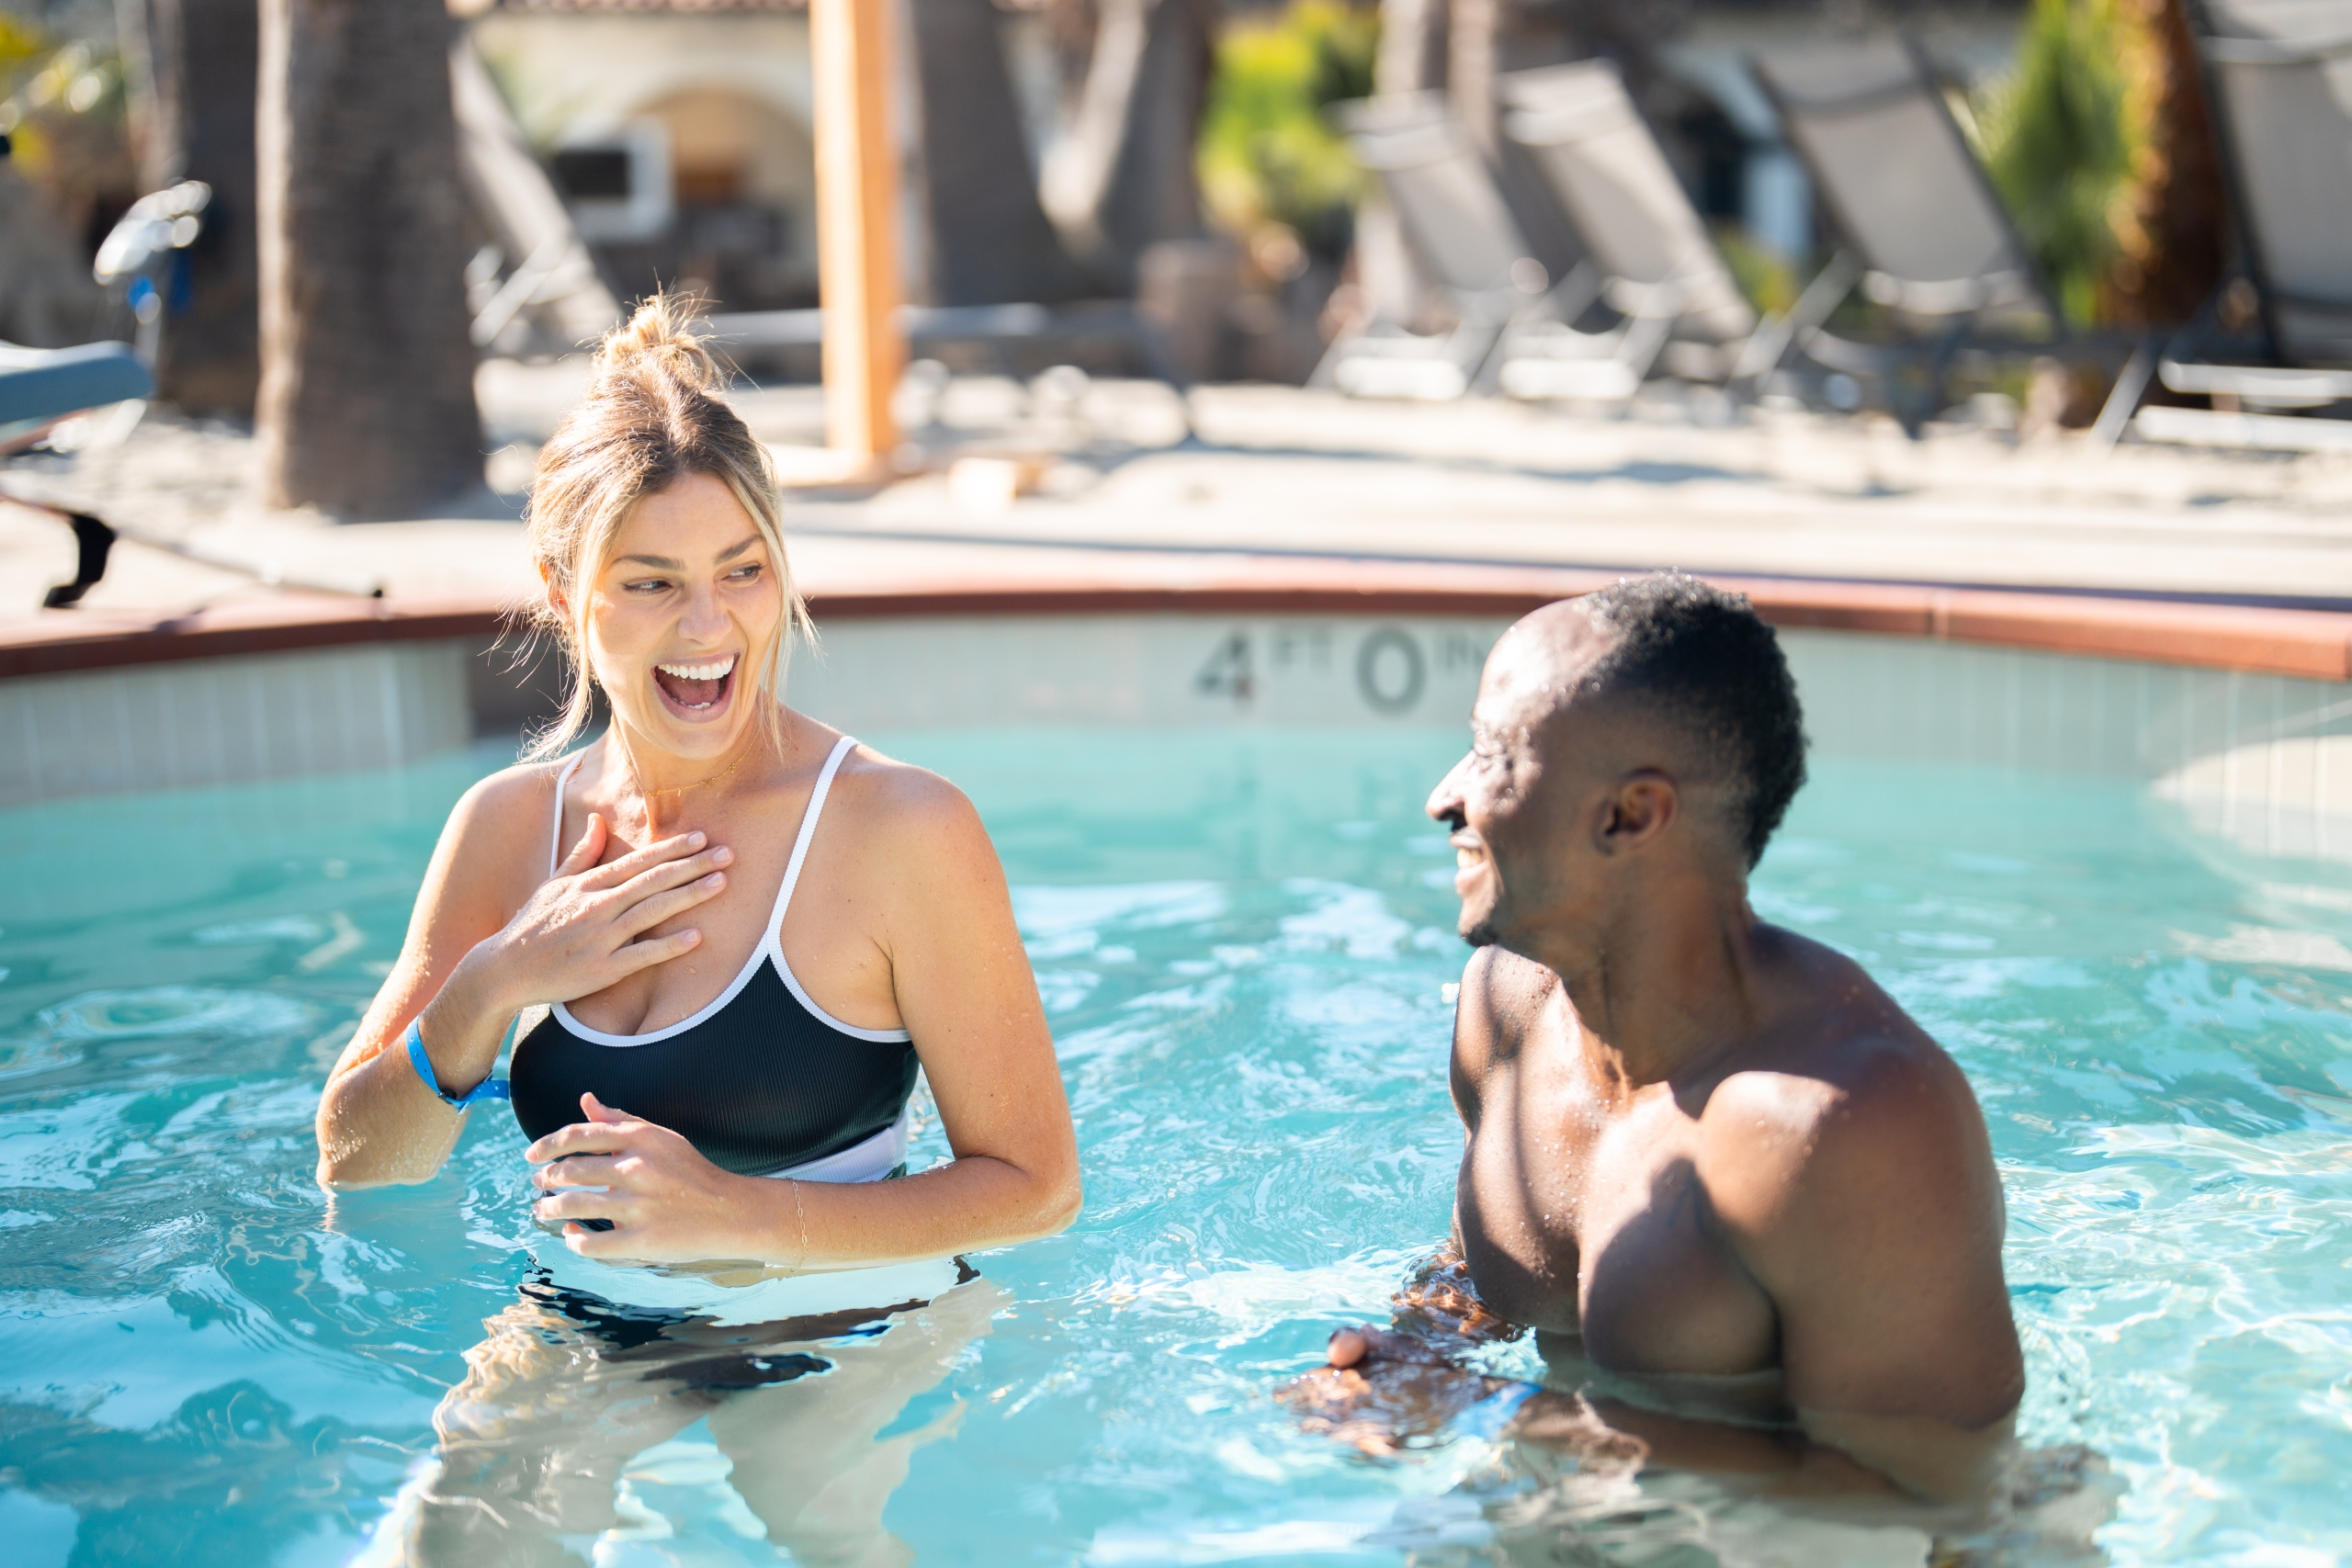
(555,834)
(841,748)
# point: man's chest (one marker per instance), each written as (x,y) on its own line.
(1582,1218)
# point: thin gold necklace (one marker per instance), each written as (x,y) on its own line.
(718,777)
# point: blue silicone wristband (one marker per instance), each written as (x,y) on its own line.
(1488,1418)
(488,1088)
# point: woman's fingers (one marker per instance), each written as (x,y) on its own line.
(650,951)
(577,1170)
(579,1204)
(673,873)
(583,854)
(612,1244)
(650,912)
(664,849)
(582,1138)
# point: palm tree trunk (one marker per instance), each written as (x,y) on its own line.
(991,243)
(366,404)
(201,58)
(2173,239)
(1155,191)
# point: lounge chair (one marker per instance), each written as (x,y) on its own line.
(1460,230)
(2280,76)
(41,388)
(1928,236)
(1657,268)
(551,275)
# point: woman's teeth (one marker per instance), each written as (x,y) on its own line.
(695,687)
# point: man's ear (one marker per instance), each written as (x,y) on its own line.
(1638,812)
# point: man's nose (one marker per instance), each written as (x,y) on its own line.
(1445,803)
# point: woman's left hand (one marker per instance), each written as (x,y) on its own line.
(665,1201)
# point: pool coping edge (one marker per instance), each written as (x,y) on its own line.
(2311,644)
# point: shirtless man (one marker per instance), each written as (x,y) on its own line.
(1708,1156)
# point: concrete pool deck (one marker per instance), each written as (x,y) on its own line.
(1281,497)
(2175,618)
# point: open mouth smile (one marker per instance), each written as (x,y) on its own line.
(696,690)
(1469,859)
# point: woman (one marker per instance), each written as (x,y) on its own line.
(747,930)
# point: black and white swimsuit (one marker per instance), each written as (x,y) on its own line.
(763,1081)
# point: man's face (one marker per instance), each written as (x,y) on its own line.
(1516,800)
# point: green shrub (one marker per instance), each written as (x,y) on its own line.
(2061,138)
(1267,152)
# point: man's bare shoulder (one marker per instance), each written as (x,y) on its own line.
(1848,1095)
(1502,996)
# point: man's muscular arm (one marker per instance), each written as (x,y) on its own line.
(1871,1213)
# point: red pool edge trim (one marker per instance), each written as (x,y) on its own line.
(2313,644)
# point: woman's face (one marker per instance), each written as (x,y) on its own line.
(680,617)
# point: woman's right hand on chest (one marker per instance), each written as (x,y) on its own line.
(584,928)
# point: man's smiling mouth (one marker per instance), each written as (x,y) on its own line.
(696,688)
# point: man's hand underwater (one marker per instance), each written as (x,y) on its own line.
(1384,1391)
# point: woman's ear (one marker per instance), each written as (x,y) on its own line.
(547,580)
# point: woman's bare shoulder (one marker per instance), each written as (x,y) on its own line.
(499,833)
(889,794)
(509,799)
(910,817)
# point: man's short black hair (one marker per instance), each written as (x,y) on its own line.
(1707,662)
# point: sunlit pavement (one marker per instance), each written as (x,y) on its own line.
(1100,480)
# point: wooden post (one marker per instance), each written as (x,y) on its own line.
(857,218)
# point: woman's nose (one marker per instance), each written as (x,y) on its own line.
(704,621)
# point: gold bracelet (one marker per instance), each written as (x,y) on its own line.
(802,1216)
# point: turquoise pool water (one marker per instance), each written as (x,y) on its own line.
(1242,940)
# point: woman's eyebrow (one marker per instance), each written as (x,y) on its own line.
(666,563)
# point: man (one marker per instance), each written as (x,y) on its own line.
(1709,1156)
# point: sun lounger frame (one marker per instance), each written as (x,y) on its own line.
(1399,136)
(1960,303)
(1652,310)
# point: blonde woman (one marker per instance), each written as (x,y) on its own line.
(746,931)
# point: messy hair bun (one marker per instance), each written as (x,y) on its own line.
(660,339)
(654,413)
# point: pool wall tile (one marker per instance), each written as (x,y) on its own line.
(203,722)
(2265,760)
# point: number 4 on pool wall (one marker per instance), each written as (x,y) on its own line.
(1227,671)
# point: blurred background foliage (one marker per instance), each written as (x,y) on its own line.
(64,109)
(1768,278)
(1268,153)
(19,43)
(2068,136)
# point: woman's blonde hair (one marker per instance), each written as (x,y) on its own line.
(654,415)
